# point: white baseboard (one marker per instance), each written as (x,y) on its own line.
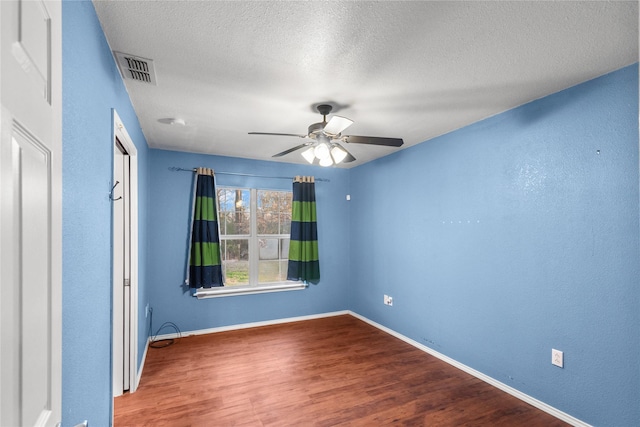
(492,381)
(251,325)
(141,367)
(489,380)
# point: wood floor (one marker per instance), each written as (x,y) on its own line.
(325,372)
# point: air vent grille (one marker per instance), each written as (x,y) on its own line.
(135,68)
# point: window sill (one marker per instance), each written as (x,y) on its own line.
(229,291)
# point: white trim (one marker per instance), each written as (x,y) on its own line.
(229,291)
(491,381)
(144,358)
(120,132)
(252,325)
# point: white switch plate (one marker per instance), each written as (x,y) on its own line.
(388,300)
(557,357)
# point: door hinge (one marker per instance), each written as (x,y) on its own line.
(126,282)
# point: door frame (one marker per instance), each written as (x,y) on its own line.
(120,132)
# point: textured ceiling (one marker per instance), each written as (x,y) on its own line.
(412,70)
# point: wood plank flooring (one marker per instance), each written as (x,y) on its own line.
(325,372)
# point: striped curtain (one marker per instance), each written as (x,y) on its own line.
(303,245)
(205,270)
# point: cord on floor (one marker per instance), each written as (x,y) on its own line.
(155,343)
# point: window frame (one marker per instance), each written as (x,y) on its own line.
(253,287)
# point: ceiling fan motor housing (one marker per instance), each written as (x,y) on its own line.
(316,129)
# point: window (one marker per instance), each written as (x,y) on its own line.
(254,235)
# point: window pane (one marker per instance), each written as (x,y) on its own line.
(285,212)
(268,222)
(272,271)
(274,209)
(234,211)
(284,265)
(284,249)
(285,222)
(268,248)
(268,203)
(223,209)
(226,222)
(235,261)
(225,199)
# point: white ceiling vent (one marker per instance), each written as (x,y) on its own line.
(135,68)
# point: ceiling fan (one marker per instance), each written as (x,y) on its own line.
(324,140)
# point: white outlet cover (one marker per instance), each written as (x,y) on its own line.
(557,357)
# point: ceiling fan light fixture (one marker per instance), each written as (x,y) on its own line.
(323,140)
(322,151)
(327,161)
(338,154)
(309,154)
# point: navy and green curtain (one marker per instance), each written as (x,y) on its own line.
(303,244)
(205,269)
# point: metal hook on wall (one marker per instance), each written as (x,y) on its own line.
(111,194)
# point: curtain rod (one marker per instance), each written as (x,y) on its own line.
(177,169)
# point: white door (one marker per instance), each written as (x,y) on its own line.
(121,271)
(30,213)
(125,260)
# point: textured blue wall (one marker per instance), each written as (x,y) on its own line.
(91,88)
(513,236)
(169,219)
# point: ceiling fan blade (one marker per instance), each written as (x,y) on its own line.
(373,140)
(291,150)
(349,157)
(337,124)
(278,134)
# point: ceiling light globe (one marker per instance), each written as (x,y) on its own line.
(338,154)
(309,155)
(322,151)
(326,161)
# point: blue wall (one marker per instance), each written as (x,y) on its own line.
(91,88)
(513,236)
(170,194)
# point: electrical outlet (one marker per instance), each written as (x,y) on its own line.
(388,300)
(557,357)
(146,310)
